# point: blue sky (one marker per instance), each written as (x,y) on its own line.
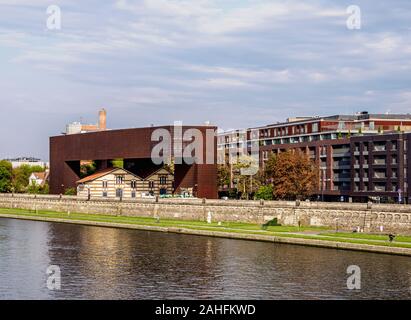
(235,63)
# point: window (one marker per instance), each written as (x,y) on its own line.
(134,184)
(380,187)
(104,194)
(380,174)
(133,194)
(105,184)
(315,127)
(379,147)
(151,184)
(163,180)
(120,179)
(119,193)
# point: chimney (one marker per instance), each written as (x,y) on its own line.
(102,115)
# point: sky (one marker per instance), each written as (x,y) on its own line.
(235,63)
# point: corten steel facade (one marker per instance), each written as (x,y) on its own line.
(328,141)
(135,147)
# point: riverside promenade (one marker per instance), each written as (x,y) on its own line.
(223,219)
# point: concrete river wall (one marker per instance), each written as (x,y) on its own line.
(344,216)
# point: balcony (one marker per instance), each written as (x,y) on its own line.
(342,165)
(341,179)
(380,175)
(380,162)
(380,188)
(379,148)
(341,154)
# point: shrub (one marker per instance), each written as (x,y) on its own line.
(70,192)
(264,193)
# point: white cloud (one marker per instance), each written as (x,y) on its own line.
(204,59)
(12,39)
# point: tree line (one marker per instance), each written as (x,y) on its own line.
(288,175)
(17,179)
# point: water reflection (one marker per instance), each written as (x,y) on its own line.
(107,263)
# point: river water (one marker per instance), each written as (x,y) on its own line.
(109,263)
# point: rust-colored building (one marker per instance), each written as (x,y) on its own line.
(134,146)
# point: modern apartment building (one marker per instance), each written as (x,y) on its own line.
(342,146)
(379,166)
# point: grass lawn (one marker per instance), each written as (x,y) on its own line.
(380,237)
(318,233)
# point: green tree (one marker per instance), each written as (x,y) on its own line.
(265,193)
(117,163)
(6,173)
(87,168)
(223,176)
(34,188)
(21,176)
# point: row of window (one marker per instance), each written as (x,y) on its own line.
(120,180)
(379,146)
(120,193)
(285,131)
(378,188)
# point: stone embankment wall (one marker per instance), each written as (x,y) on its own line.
(344,216)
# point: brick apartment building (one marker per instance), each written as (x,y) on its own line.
(360,156)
